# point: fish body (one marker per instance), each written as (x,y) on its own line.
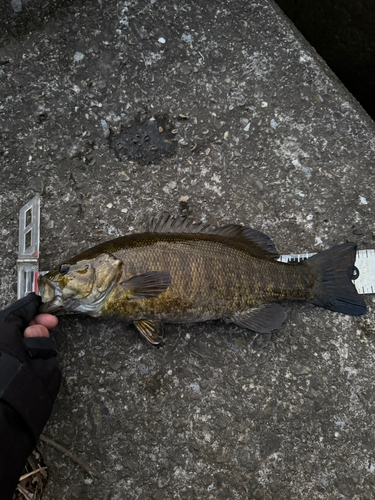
(178,272)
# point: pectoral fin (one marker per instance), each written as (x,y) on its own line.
(152,330)
(147,285)
(262,319)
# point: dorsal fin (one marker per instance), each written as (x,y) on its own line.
(261,245)
(165,223)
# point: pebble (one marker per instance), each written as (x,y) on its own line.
(274,123)
(17,6)
(185,69)
(78,56)
(194,386)
(105,127)
(124,174)
(142,368)
(131,465)
(299,369)
(161,40)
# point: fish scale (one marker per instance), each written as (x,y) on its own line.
(208,278)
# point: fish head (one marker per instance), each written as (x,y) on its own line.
(80,285)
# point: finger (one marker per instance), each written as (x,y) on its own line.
(36,331)
(47,320)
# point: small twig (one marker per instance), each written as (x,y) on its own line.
(198,354)
(31,473)
(25,493)
(71,455)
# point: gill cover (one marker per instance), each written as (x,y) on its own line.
(91,276)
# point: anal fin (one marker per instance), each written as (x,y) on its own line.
(263,319)
(152,330)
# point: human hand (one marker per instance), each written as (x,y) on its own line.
(40,326)
(29,373)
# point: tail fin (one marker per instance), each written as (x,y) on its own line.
(333,288)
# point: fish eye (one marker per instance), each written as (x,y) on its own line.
(64,268)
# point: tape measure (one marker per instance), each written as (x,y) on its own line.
(28,255)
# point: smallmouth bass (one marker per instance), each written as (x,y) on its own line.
(180,272)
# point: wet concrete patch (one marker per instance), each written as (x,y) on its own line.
(147,142)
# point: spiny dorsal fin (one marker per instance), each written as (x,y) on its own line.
(152,330)
(165,223)
(261,245)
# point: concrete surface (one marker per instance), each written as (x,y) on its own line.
(272,140)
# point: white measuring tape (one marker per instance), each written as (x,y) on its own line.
(28,255)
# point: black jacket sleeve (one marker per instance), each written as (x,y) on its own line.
(16,444)
(29,382)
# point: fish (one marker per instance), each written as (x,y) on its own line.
(178,271)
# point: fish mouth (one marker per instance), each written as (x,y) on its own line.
(53,300)
(51,297)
